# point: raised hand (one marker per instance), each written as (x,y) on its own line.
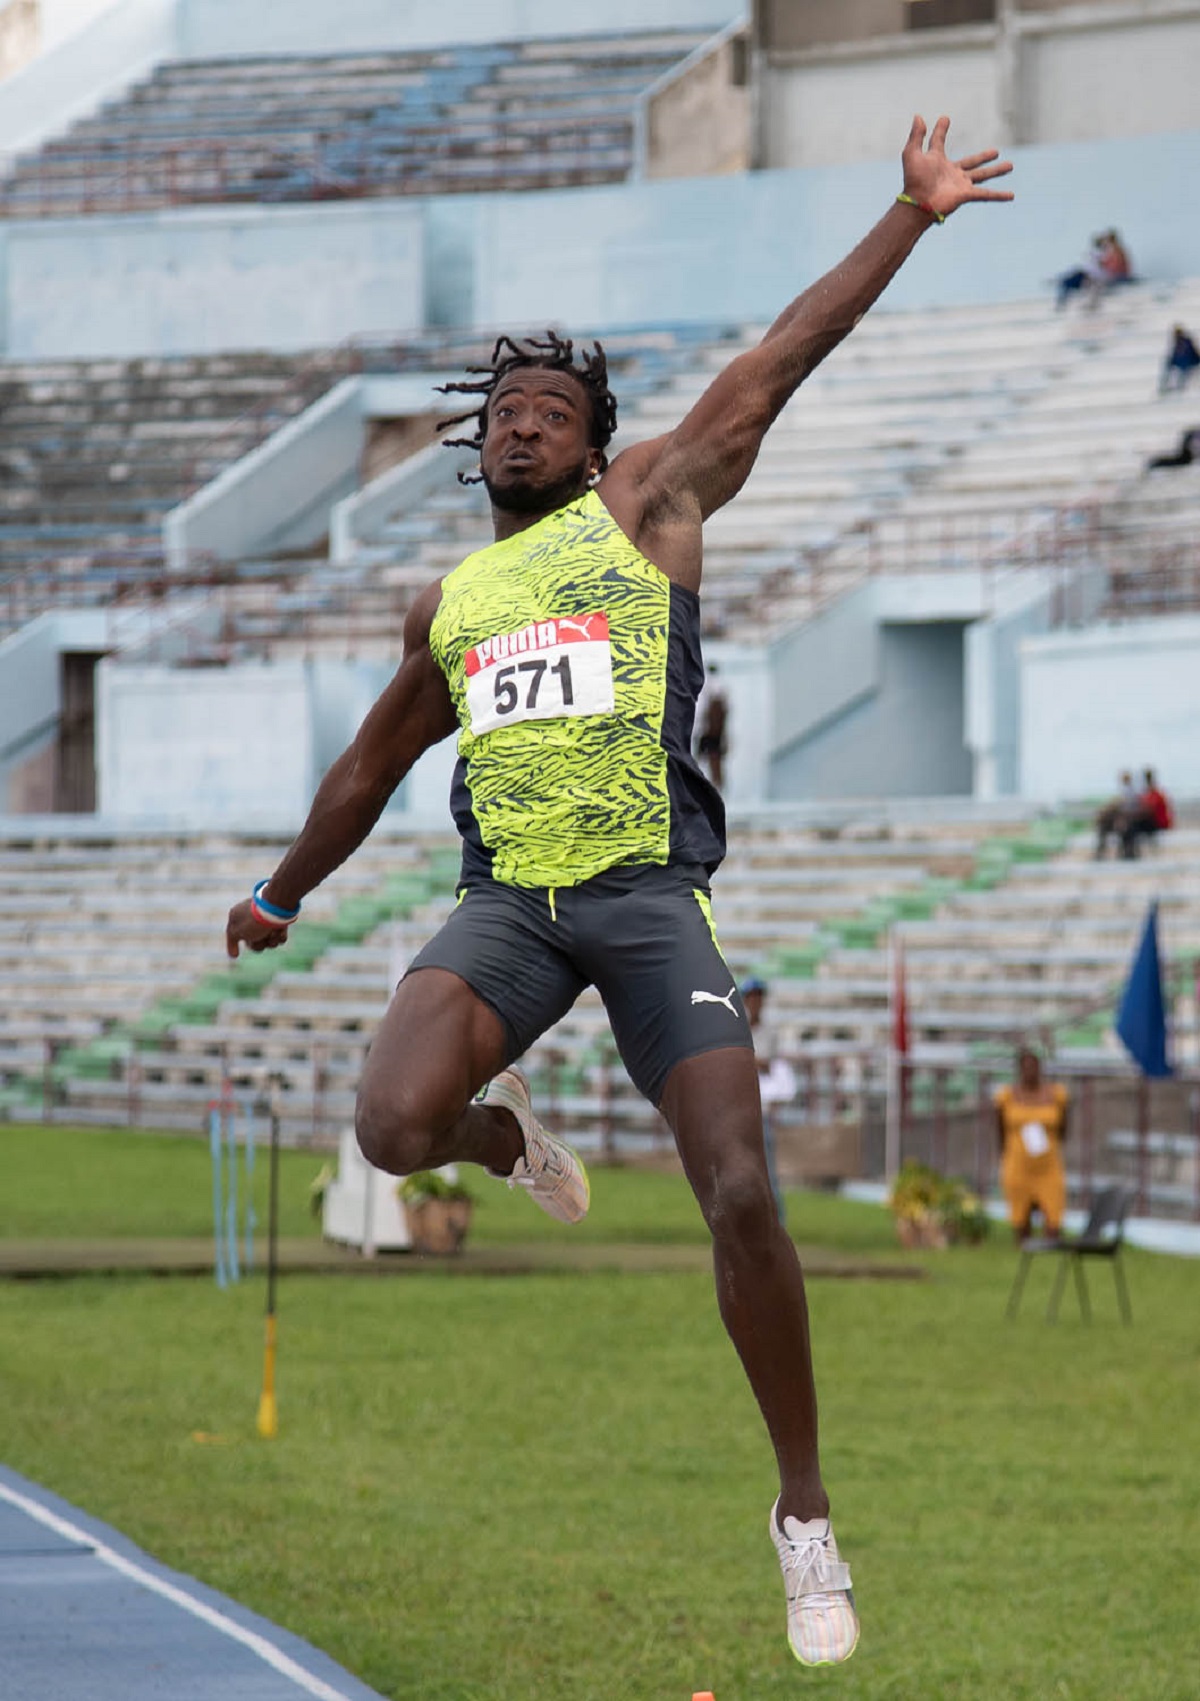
(943,184)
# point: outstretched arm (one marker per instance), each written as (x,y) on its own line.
(412,713)
(705,461)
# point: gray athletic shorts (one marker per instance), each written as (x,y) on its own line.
(643,936)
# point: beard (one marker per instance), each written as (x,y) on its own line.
(527,494)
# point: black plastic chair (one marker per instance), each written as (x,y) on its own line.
(1102,1238)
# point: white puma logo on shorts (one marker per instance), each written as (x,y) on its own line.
(715,998)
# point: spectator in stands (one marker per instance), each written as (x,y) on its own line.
(1088,277)
(1107,264)
(1031,1125)
(712,744)
(1183,357)
(1112,820)
(776,1077)
(1115,265)
(566,657)
(1187,452)
(1151,814)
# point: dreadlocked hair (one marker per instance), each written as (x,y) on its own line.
(552,351)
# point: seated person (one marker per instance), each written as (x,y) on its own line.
(1183,357)
(1088,276)
(1115,265)
(1107,264)
(1111,820)
(1153,815)
(1031,1122)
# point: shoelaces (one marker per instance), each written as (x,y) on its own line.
(805,1558)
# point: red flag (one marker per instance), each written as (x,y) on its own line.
(899,1003)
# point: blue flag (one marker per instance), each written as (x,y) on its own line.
(1142,1018)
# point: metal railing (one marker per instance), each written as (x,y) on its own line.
(1096,546)
(1099,557)
(1129,577)
(1122,1127)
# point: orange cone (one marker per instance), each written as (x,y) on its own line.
(704,1695)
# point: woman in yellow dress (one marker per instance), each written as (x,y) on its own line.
(1031,1122)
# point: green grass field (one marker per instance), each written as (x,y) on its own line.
(544,1488)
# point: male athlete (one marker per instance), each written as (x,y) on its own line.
(567,656)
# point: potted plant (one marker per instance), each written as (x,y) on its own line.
(439,1211)
(963,1215)
(933,1210)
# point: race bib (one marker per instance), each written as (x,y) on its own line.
(1035,1139)
(548,669)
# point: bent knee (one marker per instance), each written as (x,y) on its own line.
(740,1207)
(392,1134)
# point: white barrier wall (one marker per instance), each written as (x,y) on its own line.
(303,484)
(898,706)
(83,69)
(62,19)
(1021,604)
(31,697)
(869,698)
(903,738)
(279,496)
(212,279)
(244,745)
(1118,76)
(218,745)
(859,107)
(1079,74)
(211,28)
(1106,698)
(908,685)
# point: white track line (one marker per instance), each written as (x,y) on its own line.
(259,1645)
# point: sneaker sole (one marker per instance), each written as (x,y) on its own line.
(815,1665)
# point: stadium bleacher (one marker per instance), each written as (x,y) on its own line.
(962,439)
(882,464)
(108,1020)
(522,115)
(990,436)
(93,454)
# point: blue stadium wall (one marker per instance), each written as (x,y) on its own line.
(699,250)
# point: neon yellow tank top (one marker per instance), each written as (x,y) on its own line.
(574,666)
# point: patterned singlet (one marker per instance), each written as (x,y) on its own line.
(574,664)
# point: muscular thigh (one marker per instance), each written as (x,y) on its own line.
(649,945)
(504,944)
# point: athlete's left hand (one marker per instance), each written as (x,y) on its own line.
(942,183)
(243,928)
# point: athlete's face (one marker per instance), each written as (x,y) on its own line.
(535,454)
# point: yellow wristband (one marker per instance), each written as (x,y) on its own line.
(922,207)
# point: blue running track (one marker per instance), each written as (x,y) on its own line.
(86,1616)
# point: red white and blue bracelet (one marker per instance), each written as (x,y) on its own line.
(269,914)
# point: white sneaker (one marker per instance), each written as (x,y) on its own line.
(550,1172)
(822,1622)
